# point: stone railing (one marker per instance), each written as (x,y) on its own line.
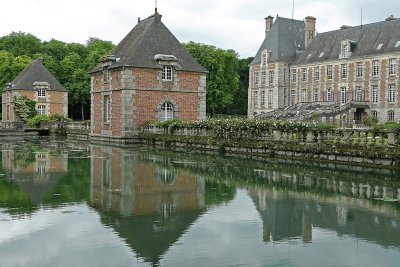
(76,126)
(11,126)
(361,137)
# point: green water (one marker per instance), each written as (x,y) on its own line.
(75,204)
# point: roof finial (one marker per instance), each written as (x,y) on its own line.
(156,8)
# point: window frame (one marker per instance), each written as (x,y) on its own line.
(262,98)
(271,77)
(316,73)
(107,108)
(343,95)
(374,94)
(270,97)
(294,76)
(392,93)
(375,68)
(343,71)
(167,73)
(41,109)
(360,70)
(167,111)
(41,92)
(304,96)
(329,72)
(304,74)
(390,115)
(392,66)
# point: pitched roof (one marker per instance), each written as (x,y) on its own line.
(285,39)
(326,46)
(147,39)
(35,72)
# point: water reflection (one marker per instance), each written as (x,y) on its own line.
(157,208)
(148,203)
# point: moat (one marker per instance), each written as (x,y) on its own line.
(77,204)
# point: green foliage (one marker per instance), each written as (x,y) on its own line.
(390,125)
(35,121)
(239,104)
(223,77)
(68,62)
(327,126)
(25,108)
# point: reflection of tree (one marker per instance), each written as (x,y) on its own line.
(218,193)
(74,186)
(26,156)
(14,200)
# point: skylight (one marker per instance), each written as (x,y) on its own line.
(397,44)
(308,57)
(321,55)
(379,47)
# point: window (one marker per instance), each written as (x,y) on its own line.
(270,97)
(374,94)
(264,59)
(107,108)
(256,79)
(345,49)
(304,74)
(262,98)
(271,77)
(41,109)
(166,73)
(375,68)
(167,112)
(292,97)
(165,176)
(316,95)
(374,114)
(359,94)
(284,76)
(329,94)
(360,69)
(392,66)
(294,76)
(392,93)
(41,92)
(329,72)
(303,95)
(390,116)
(316,73)
(264,78)
(343,95)
(255,99)
(344,71)
(8,112)
(106,75)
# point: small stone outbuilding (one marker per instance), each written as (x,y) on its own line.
(38,84)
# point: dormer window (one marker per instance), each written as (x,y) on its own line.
(167,73)
(41,92)
(264,58)
(346,49)
(106,75)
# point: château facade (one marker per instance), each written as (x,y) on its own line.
(342,76)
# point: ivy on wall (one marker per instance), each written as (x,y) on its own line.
(25,108)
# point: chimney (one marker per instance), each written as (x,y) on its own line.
(309,30)
(269,21)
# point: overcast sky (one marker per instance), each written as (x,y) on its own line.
(229,24)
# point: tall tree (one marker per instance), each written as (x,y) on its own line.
(222,79)
(20,43)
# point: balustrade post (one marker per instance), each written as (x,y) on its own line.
(393,139)
(365,140)
(382,139)
(277,135)
(347,137)
(310,137)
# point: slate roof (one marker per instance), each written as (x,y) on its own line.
(36,72)
(367,39)
(147,39)
(285,39)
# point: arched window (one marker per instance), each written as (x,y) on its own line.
(390,116)
(167,111)
(374,114)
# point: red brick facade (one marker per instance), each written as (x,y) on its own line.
(137,95)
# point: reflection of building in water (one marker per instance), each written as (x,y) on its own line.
(36,172)
(288,214)
(151,204)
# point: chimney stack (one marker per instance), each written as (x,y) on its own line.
(269,21)
(309,30)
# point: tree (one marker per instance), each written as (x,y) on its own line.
(222,79)
(20,43)
(239,105)
(25,108)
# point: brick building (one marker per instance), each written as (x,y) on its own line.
(343,75)
(38,84)
(148,76)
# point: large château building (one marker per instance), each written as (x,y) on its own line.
(148,76)
(343,76)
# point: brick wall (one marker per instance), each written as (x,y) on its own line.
(56,102)
(146,92)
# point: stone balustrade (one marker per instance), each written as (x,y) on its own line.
(345,136)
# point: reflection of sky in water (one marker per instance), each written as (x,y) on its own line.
(227,235)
